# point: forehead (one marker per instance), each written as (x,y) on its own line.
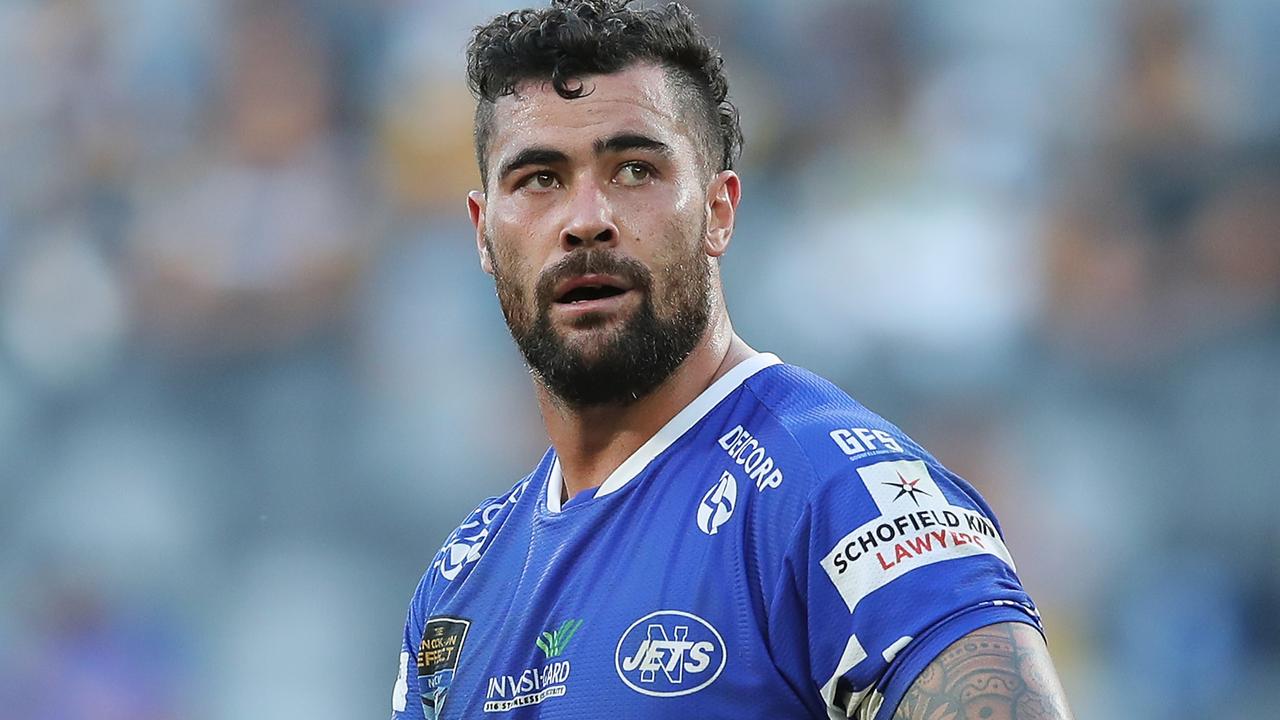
(637,99)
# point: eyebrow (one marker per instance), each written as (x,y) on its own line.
(613,144)
(532,156)
(630,141)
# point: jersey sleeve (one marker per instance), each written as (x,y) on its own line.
(425,672)
(460,548)
(893,558)
(406,702)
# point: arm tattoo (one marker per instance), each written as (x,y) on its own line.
(1001,672)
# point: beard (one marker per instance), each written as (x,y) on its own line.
(631,360)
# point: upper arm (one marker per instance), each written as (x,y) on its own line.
(892,559)
(998,672)
(406,703)
(880,582)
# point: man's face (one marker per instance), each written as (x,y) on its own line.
(594,226)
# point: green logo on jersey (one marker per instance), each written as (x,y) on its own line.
(553,642)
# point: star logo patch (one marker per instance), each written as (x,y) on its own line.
(908,488)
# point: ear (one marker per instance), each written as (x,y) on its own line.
(475,208)
(723,195)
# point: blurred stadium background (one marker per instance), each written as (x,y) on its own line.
(251,374)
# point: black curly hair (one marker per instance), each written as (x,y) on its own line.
(572,38)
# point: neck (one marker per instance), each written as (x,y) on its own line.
(592,442)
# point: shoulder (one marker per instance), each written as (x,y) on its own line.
(827,431)
(465,545)
(843,464)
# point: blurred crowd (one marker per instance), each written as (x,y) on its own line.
(251,373)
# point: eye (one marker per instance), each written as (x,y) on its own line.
(633,174)
(541,180)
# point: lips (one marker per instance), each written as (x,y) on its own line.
(585,288)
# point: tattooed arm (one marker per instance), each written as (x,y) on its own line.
(1000,672)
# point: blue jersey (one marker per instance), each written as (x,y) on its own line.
(775,551)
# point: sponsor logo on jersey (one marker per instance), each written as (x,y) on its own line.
(717,505)
(466,544)
(438,653)
(553,642)
(669,653)
(917,526)
(536,684)
(909,488)
(747,452)
(857,442)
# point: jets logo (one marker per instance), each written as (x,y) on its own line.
(717,505)
(669,653)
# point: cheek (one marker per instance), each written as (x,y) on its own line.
(679,259)
(509,267)
(666,224)
(682,233)
(689,199)
(513,248)
(510,213)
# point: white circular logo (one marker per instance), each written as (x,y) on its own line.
(717,505)
(461,552)
(466,544)
(669,653)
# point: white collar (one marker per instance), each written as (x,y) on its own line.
(668,434)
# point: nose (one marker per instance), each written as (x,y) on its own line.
(590,221)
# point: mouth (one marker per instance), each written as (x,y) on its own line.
(589,289)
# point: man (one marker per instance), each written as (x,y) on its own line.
(713,534)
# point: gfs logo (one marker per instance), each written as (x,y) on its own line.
(669,653)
